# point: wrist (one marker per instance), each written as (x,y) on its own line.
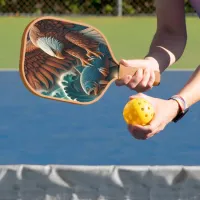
(175,107)
(182,107)
(153,62)
(164,57)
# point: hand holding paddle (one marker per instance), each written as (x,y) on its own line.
(146,76)
(69,61)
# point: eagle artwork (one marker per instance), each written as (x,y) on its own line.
(67,61)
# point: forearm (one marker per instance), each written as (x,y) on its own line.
(191,91)
(170,38)
(166,48)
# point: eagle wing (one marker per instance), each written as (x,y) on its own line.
(48,25)
(87,38)
(41,70)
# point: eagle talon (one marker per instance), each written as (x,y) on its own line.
(93,91)
(100,57)
(96,54)
(90,59)
(85,63)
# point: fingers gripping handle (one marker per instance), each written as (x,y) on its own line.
(124,71)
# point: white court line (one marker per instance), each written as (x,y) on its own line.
(8,70)
(184,69)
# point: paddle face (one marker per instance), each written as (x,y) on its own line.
(66,61)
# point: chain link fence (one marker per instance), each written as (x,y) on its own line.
(80,7)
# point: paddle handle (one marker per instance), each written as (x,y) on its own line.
(124,71)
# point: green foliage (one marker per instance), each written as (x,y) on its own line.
(88,7)
(128,8)
(2,2)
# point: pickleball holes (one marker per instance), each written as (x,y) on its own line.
(146,115)
(142,109)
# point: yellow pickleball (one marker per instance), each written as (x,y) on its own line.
(138,111)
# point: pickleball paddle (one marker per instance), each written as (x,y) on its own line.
(68,61)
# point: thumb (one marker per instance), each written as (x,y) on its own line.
(132,63)
(140,95)
(124,62)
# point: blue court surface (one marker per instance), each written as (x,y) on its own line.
(34,130)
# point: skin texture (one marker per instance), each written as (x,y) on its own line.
(171,38)
(167,46)
(166,110)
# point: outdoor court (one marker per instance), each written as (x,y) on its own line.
(37,131)
(34,130)
(40,131)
